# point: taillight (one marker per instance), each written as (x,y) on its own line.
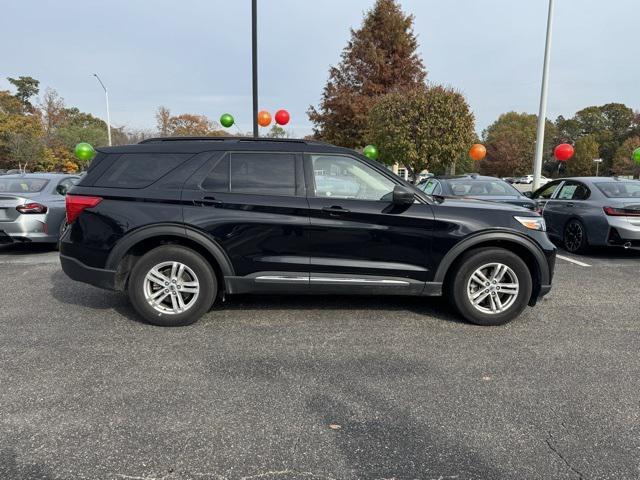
(77,203)
(621,212)
(32,207)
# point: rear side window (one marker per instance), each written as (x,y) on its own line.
(254,173)
(139,170)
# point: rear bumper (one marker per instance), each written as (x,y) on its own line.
(98,277)
(27,228)
(622,231)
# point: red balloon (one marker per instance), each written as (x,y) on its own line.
(282,117)
(563,152)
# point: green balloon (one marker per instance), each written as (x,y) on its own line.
(226,120)
(636,156)
(371,151)
(84,151)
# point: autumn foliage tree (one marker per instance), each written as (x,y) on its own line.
(510,143)
(186,125)
(422,128)
(586,150)
(380,58)
(623,163)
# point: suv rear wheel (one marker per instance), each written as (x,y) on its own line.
(491,286)
(172,286)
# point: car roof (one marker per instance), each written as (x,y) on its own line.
(598,179)
(44,175)
(204,144)
(467,177)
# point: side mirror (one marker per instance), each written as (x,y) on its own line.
(402,195)
(528,194)
(62,190)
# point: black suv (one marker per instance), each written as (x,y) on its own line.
(180,222)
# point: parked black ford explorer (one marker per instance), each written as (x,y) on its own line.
(180,222)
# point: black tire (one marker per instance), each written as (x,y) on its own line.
(208,285)
(465,268)
(574,238)
(61,229)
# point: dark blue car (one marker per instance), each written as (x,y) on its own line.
(478,187)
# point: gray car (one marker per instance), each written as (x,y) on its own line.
(591,211)
(32,206)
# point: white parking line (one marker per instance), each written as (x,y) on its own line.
(582,264)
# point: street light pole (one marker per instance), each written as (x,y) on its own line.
(598,162)
(254,63)
(542,114)
(106,96)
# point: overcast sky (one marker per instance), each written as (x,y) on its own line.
(194,55)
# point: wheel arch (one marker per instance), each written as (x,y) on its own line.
(512,241)
(135,244)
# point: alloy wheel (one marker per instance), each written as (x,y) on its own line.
(171,287)
(573,237)
(493,288)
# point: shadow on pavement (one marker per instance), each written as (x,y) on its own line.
(20,248)
(80,294)
(437,307)
(67,291)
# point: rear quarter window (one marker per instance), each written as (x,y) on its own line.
(139,170)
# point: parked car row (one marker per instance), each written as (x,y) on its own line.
(180,223)
(579,212)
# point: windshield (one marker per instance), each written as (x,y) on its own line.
(620,189)
(22,185)
(464,187)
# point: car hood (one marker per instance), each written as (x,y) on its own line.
(512,199)
(468,202)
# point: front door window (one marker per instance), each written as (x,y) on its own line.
(337,176)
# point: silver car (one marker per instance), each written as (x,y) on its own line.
(591,211)
(32,206)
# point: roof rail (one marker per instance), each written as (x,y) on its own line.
(229,139)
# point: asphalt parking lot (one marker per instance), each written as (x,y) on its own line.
(318,387)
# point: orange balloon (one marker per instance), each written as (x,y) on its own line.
(264,118)
(477,152)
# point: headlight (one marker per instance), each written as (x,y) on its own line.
(533,223)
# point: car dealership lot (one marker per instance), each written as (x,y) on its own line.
(319,387)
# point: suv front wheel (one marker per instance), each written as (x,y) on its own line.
(490,286)
(172,286)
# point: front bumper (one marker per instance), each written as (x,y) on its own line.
(98,277)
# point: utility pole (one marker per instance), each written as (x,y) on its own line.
(254,63)
(542,114)
(106,96)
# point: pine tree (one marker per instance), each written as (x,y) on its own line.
(380,58)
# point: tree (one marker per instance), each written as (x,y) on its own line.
(276,131)
(623,164)
(163,117)
(191,125)
(586,151)
(510,143)
(9,104)
(380,58)
(421,128)
(20,139)
(53,112)
(611,124)
(26,87)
